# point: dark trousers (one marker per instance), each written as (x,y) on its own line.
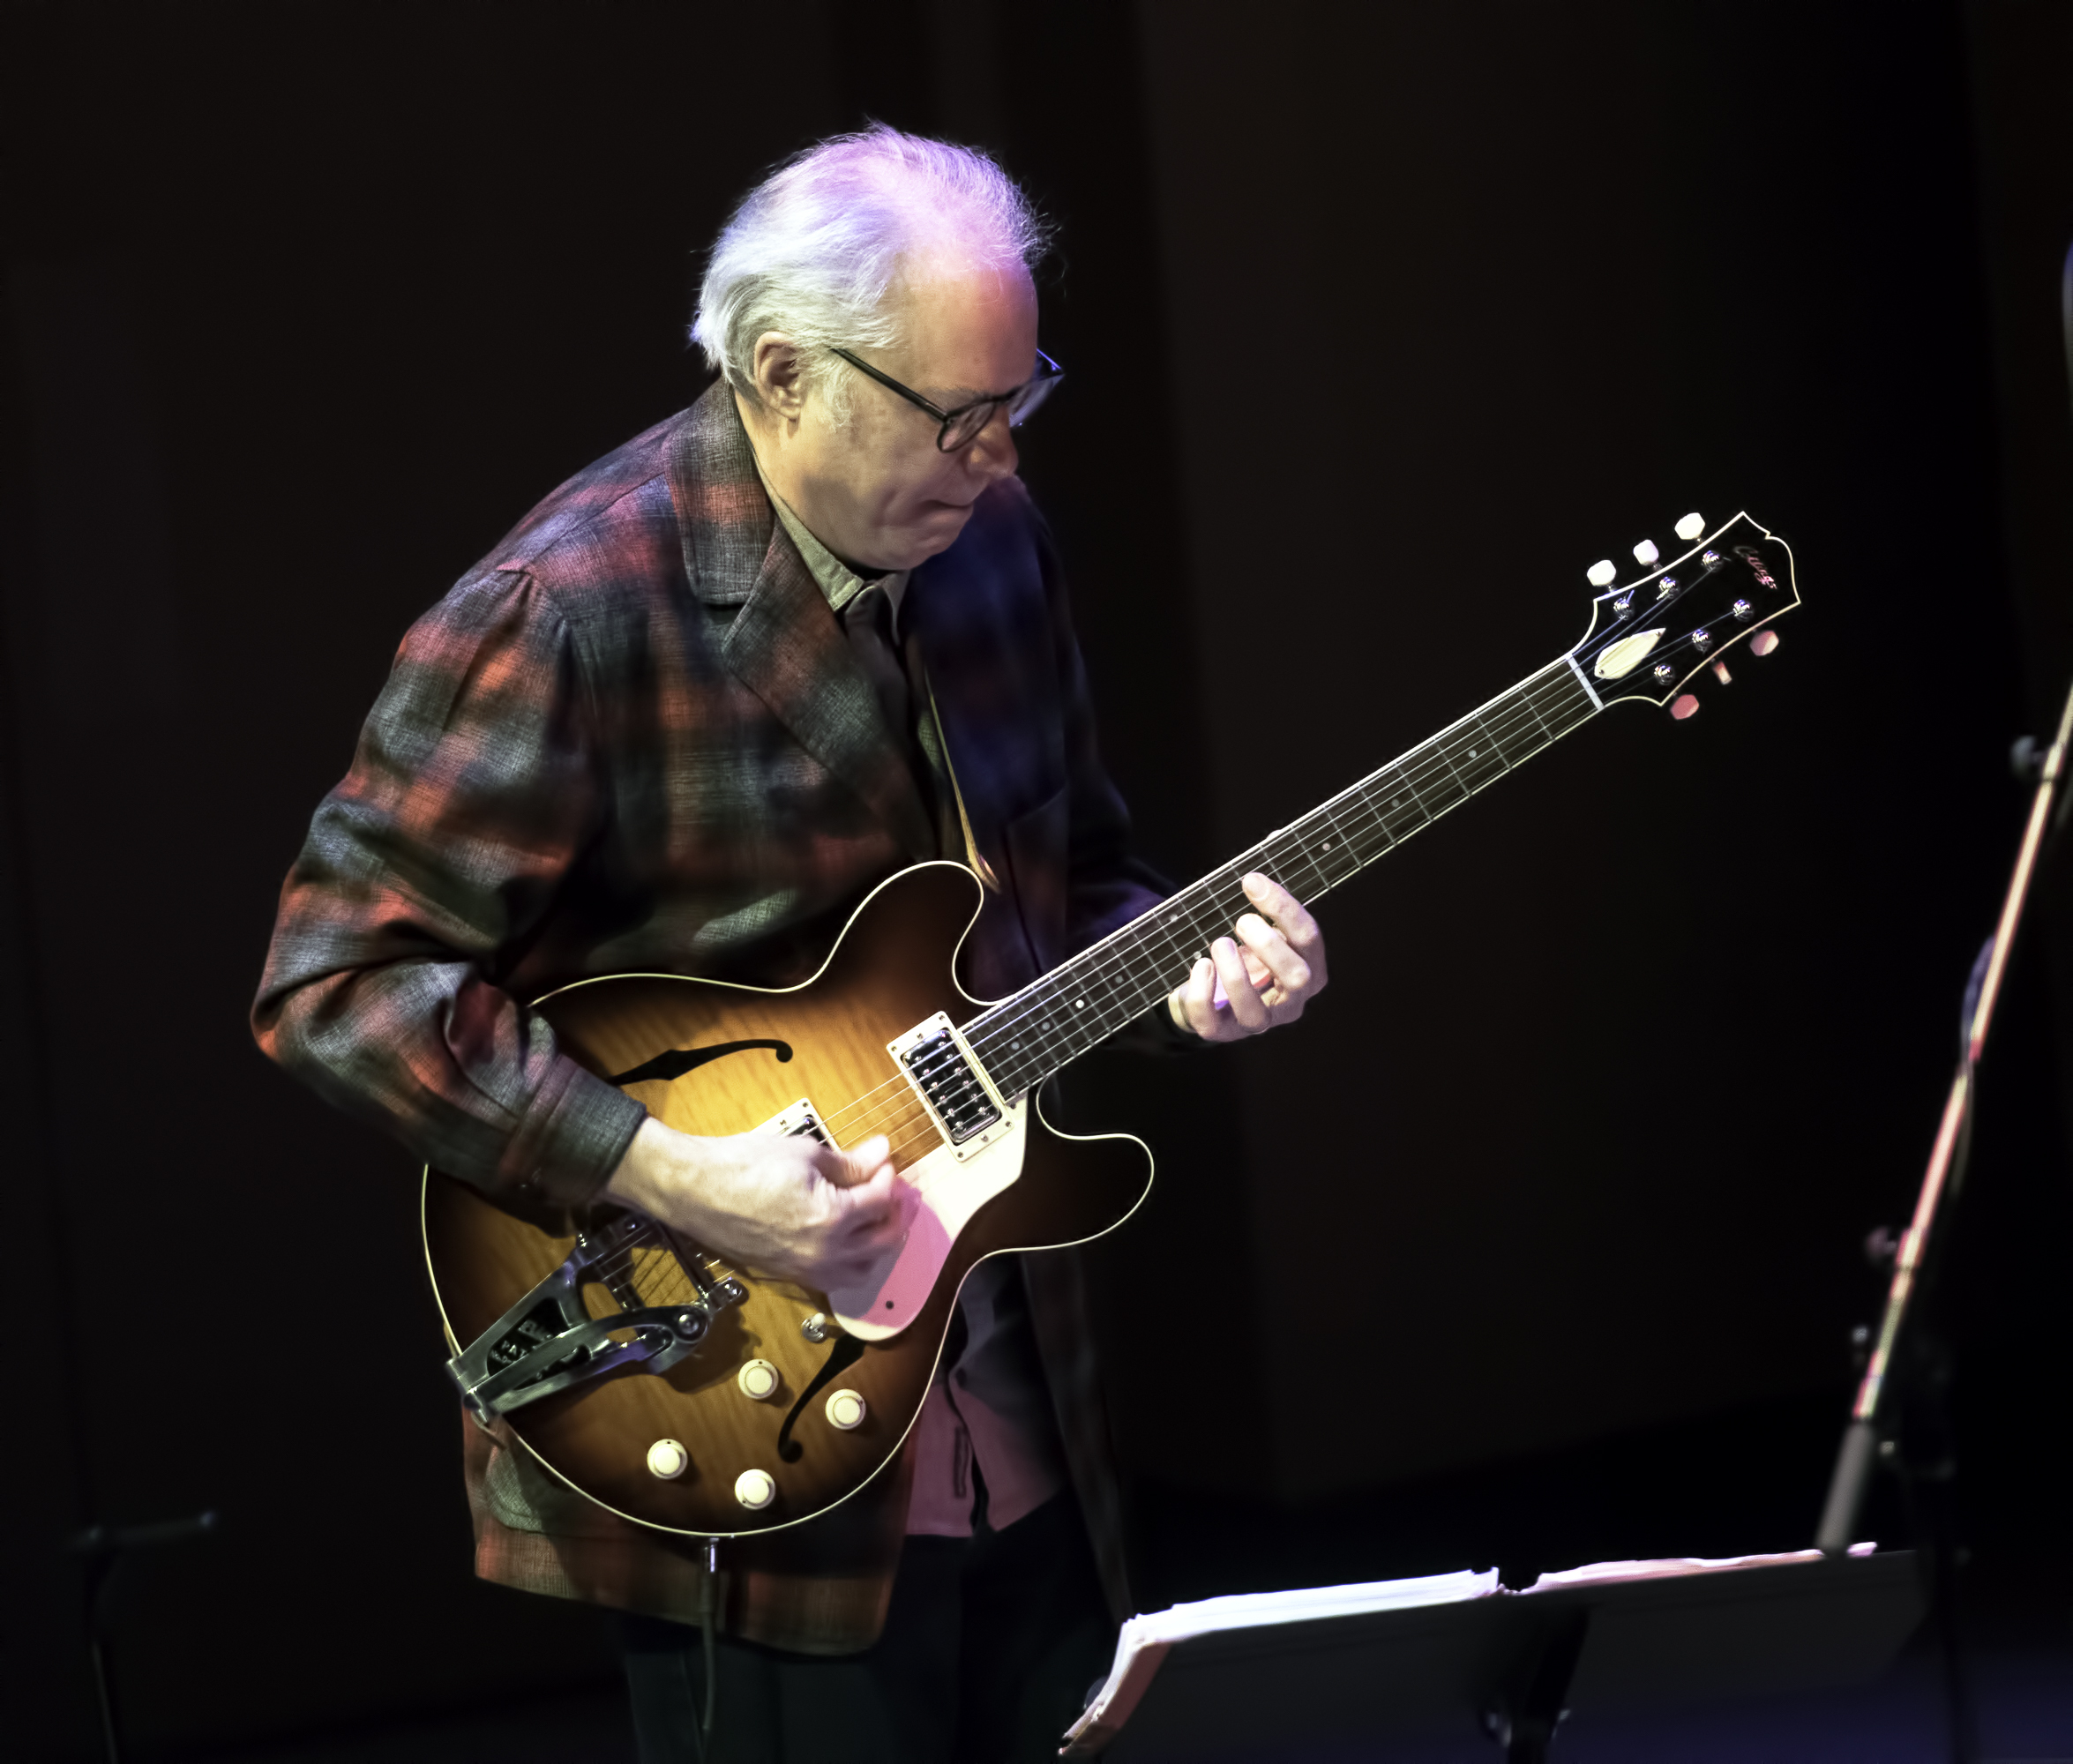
(990,1648)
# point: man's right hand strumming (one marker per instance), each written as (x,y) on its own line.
(782,1204)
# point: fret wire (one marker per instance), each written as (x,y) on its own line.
(1189,920)
(1547,734)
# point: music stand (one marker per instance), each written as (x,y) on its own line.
(1286,1673)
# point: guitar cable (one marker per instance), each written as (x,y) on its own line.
(707,1614)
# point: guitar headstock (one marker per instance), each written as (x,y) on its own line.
(1649,635)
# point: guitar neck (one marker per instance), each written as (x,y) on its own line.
(1022,1040)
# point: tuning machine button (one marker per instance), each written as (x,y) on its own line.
(758,1380)
(755,1490)
(667,1459)
(1721,674)
(1763,642)
(1602,573)
(1690,527)
(1685,706)
(846,1409)
(1645,554)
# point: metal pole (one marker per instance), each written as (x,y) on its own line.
(1859,1448)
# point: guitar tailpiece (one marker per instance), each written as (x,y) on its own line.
(548,1343)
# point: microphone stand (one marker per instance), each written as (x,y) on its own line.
(1870,1435)
(103,1549)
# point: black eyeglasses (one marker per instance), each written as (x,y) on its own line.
(961,427)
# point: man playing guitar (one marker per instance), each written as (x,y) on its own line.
(697,703)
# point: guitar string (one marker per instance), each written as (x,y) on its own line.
(1357,813)
(1376,806)
(1352,817)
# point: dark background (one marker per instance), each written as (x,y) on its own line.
(1541,1240)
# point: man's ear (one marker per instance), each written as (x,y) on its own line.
(779,376)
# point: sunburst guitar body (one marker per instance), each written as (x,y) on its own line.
(752,1392)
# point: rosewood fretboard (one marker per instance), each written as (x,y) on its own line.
(1022,1040)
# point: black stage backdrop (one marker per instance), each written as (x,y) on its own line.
(1383,324)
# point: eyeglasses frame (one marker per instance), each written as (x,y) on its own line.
(945,418)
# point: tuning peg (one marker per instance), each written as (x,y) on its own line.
(1721,674)
(1645,554)
(1690,527)
(1763,643)
(1685,706)
(1600,574)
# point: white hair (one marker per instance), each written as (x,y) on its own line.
(818,249)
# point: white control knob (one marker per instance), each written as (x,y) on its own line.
(1691,526)
(757,1380)
(1645,554)
(667,1459)
(1600,574)
(755,1490)
(845,1410)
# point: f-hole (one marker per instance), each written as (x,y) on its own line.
(678,1061)
(845,1354)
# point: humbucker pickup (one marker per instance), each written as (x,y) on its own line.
(950,1085)
(802,1120)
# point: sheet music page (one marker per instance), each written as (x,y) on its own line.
(1145,1640)
(1672,1568)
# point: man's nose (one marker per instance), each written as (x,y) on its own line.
(993,456)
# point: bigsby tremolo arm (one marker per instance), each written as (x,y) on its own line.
(548,1342)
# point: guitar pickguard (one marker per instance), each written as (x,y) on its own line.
(941,1194)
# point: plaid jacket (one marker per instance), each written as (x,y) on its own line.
(634,738)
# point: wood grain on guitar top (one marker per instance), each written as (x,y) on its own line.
(890,970)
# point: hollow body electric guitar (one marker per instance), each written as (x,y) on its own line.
(700,1398)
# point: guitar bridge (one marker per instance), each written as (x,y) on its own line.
(963,1105)
(549,1342)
